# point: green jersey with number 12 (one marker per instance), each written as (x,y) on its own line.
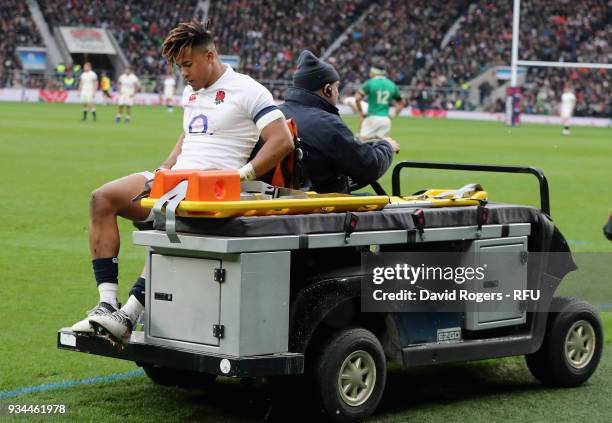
(381,92)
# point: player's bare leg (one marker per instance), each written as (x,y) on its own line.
(92,107)
(85,108)
(128,114)
(112,200)
(566,128)
(119,113)
(107,203)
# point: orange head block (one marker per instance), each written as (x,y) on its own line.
(203,185)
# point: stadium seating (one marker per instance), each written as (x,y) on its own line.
(139,27)
(574,32)
(17,29)
(593,87)
(403,36)
(269,35)
(571,31)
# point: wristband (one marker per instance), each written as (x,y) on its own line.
(247,173)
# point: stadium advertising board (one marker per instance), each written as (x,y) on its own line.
(87,40)
(140,99)
(152,99)
(232,60)
(18,94)
(32,58)
(503,72)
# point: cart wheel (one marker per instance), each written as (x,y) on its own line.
(169,376)
(350,374)
(572,345)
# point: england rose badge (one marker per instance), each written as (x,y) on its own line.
(219,97)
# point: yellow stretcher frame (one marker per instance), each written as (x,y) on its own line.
(280,206)
(317,203)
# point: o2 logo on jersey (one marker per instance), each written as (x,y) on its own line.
(198,125)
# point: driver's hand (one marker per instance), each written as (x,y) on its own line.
(394,144)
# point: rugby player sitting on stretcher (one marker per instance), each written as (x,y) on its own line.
(225,113)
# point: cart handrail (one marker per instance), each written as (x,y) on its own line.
(544,195)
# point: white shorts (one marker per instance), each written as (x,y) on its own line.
(349,101)
(149,176)
(126,100)
(352,103)
(375,127)
(87,98)
(566,114)
(169,95)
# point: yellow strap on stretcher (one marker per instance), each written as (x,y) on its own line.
(441,198)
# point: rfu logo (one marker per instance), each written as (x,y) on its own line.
(192,98)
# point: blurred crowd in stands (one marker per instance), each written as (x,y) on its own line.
(138,26)
(17,29)
(570,31)
(268,35)
(593,87)
(403,36)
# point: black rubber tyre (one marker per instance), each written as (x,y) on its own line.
(359,353)
(168,376)
(572,344)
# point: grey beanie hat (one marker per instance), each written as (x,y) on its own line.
(312,73)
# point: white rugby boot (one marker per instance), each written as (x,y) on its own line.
(117,324)
(101,309)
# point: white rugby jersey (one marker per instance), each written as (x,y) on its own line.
(128,84)
(88,80)
(169,84)
(567,102)
(222,123)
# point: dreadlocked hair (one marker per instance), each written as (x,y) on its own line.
(186,34)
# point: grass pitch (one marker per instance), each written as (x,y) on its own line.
(50,162)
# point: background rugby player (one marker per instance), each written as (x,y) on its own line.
(88,85)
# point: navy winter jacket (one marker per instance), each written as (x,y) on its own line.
(331,152)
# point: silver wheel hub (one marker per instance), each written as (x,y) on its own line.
(357,378)
(580,343)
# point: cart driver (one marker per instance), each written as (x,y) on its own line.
(225,113)
(332,155)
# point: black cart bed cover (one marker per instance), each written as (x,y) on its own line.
(391,219)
